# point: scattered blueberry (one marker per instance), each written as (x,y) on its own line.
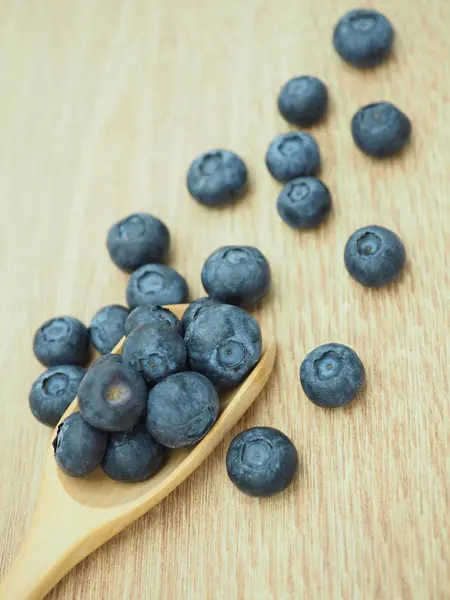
(292,155)
(62,341)
(332,375)
(156,284)
(374,256)
(193,310)
(363,37)
(111,396)
(137,240)
(236,275)
(217,177)
(108,327)
(304,202)
(150,314)
(133,455)
(154,352)
(224,344)
(303,100)
(261,461)
(182,409)
(53,392)
(380,129)
(78,447)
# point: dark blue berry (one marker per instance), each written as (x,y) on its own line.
(53,392)
(137,240)
(182,409)
(108,327)
(304,202)
(363,37)
(217,177)
(62,341)
(193,310)
(303,100)
(332,375)
(262,461)
(150,314)
(156,284)
(236,275)
(374,256)
(292,155)
(78,447)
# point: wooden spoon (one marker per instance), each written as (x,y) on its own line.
(73,517)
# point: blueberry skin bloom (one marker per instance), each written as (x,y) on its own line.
(380,129)
(292,155)
(62,341)
(236,275)
(217,177)
(261,461)
(78,447)
(332,375)
(108,327)
(224,344)
(151,314)
(53,392)
(193,310)
(156,284)
(133,455)
(303,100)
(154,352)
(182,409)
(137,240)
(304,202)
(374,256)
(363,38)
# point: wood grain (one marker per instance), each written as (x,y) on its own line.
(103,105)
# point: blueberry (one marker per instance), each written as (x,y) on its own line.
(261,461)
(193,310)
(154,352)
(332,375)
(111,396)
(224,344)
(78,447)
(217,177)
(150,314)
(137,240)
(363,37)
(108,327)
(156,284)
(292,155)
(303,100)
(374,256)
(53,392)
(182,409)
(236,275)
(62,341)
(133,455)
(304,202)
(380,129)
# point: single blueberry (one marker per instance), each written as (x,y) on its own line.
(156,284)
(150,314)
(261,461)
(236,275)
(108,327)
(224,344)
(154,352)
(381,129)
(363,37)
(303,100)
(133,455)
(292,155)
(182,409)
(53,392)
(78,447)
(193,310)
(111,396)
(137,240)
(304,202)
(374,256)
(62,341)
(217,177)
(332,375)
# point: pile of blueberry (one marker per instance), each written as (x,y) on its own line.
(162,392)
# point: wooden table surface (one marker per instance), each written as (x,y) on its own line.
(103,105)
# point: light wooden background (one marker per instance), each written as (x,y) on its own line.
(103,104)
